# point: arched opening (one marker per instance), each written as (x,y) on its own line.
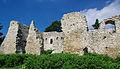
(85,50)
(51,41)
(110,25)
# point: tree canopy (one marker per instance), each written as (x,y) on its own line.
(55,26)
(96,25)
(1,38)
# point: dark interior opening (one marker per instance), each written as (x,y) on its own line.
(57,38)
(85,50)
(51,41)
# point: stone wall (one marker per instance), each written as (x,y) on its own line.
(15,40)
(106,41)
(34,41)
(53,41)
(78,39)
(74,26)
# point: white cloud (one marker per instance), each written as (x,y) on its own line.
(108,11)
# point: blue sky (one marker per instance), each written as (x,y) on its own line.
(44,12)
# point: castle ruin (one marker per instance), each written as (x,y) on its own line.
(75,38)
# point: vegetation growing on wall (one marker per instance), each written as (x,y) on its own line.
(96,25)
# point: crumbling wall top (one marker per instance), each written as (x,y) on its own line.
(114,20)
(73,21)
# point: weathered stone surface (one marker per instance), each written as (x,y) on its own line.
(101,41)
(74,26)
(34,41)
(15,40)
(53,41)
(106,41)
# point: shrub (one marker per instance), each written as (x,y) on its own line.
(12,60)
(2,60)
(70,61)
(60,61)
(48,52)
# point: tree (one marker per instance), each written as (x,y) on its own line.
(1,38)
(55,26)
(96,25)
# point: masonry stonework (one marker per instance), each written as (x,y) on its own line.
(15,40)
(53,41)
(34,41)
(74,26)
(106,41)
(75,38)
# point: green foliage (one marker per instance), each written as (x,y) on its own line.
(96,25)
(12,60)
(71,61)
(1,38)
(55,26)
(48,52)
(113,31)
(60,61)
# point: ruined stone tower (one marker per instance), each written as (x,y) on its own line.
(74,26)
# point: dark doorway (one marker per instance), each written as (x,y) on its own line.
(85,50)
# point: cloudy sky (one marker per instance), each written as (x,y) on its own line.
(44,12)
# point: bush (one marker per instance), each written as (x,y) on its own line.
(60,61)
(70,61)
(2,60)
(12,60)
(48,52)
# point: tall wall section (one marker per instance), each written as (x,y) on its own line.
(34,41)
(74,26)
(15,40)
